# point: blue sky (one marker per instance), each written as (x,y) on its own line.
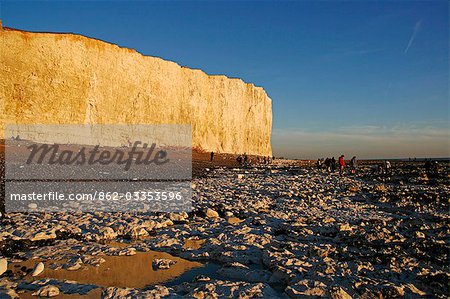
(365,78)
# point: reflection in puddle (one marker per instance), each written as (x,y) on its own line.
(209,270)
(119,271)
(117,244)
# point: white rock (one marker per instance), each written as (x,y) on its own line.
(74,265)
(178,216)
(47,291)
(128,251)
(228,214)
(345,227)
(210,213)
(3,265)
(38,269)
(420,235)
(340,293)
(108,233)
(162,263)
(139,232)
(43,235)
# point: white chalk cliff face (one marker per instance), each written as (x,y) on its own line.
(51,78)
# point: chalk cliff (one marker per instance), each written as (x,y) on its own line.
(49,78)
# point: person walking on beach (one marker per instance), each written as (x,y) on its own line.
(246,162)
(435,167)
(327,164)
(380,169)
(239,160)
(387,166)
(427,166)
(333,164)
(353,165)
(341,165)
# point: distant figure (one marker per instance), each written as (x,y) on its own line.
(387,166)
(245,158)
(239,160)
(212,156)
(353,165)
(327,164)
(435,167)
(341,165)
(333,164)
(319,164)
(427,165)
(380,169)
(273,158)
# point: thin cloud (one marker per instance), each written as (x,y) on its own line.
(365,51)
(348,52)
(420,139)
(413,36)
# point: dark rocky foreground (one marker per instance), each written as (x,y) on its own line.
(269,231)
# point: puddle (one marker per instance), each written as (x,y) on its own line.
(120,271)
(94,294)
(209,270)
(118,244)
(234,220)
(193,243)
(127,271)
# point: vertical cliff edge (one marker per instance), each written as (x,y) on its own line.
(55,78)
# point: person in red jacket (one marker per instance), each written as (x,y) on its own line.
(341,164)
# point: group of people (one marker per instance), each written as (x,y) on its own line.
(332,164)
(244,159)
(264,160)
(383,168)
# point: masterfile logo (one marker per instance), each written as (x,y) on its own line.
(98,167)
(51,154)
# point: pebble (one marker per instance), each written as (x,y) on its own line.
(210,213)
(162,263)
(3,265)
(38,269)
(47,291)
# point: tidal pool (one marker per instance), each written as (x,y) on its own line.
(117,271)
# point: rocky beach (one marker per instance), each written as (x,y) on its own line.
(285,230)
(142,149)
